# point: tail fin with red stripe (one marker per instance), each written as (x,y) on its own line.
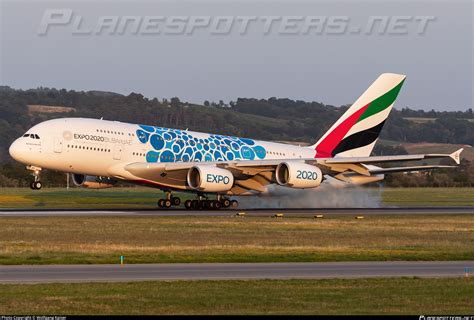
(356,132)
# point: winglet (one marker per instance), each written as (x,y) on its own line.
(456,155)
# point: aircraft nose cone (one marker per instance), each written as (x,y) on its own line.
(16,150)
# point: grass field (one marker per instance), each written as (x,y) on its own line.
(79,198)
(146,198)
(362,296)
(435,197)
(82,240)
(67,240)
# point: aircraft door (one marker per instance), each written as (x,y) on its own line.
(117,152)
(58,145)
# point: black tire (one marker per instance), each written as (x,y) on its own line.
(201,204)
(234,204)
(188,204)
(32,185)
(205,204)
(217,204)
(161,203)
(38,185)
(225,203)
(195,204)
(176,201)
(167,203)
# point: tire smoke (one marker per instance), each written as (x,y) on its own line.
(325,196)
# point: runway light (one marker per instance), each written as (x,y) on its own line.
(278,215)
(240,214)
(359,217)
(121,261)
(318,216)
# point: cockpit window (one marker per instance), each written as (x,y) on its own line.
(31,136)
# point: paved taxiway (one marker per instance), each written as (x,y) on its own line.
(249,212)
(206,271)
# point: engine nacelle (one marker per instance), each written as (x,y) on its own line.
(92,182)
(298,175)
(210,179)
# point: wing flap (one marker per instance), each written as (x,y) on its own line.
(380,159)
(407,169)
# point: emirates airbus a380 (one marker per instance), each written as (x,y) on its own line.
(100,153)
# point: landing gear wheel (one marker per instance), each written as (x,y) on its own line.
(234,204)
(195,204)
(176,201)
(188,204)
(216,204)
(167,203)
(161,203)
(225,203)
(205,204)
(36,185)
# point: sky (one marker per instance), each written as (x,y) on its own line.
(334,61)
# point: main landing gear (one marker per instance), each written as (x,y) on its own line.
(36,184)
(203,203)
(169,201)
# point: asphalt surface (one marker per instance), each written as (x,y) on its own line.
(214,271)
(248,212)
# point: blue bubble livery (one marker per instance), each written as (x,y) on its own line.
(171,145)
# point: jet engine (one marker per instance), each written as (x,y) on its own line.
(210,179)
(92,182)
(298,175)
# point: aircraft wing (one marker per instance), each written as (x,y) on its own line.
(255,175)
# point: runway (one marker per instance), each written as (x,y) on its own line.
(227,271)
(248,212)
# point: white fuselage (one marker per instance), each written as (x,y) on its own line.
(102,148)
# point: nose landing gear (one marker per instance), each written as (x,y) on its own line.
(36,184)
